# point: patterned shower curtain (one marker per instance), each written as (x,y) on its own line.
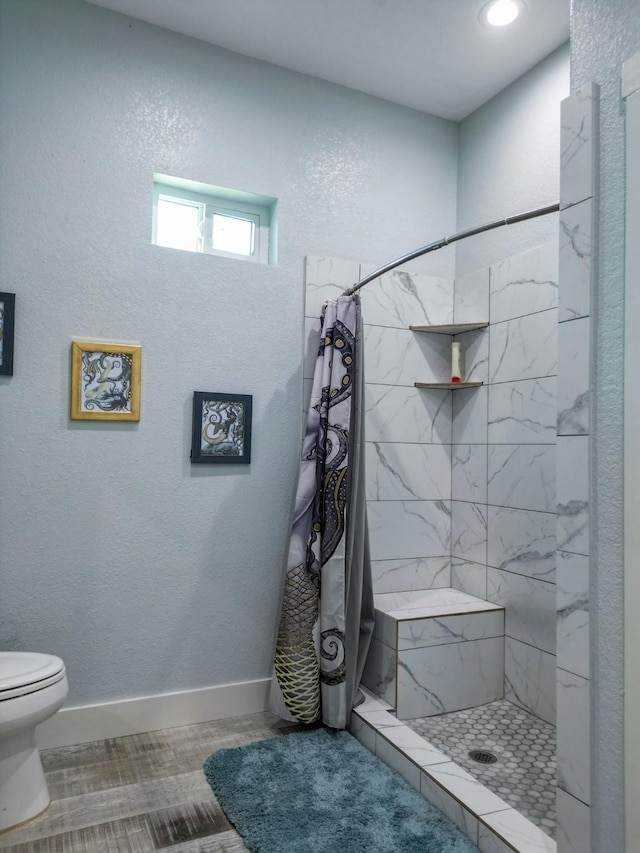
(327,613)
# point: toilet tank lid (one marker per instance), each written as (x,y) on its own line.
(21,668)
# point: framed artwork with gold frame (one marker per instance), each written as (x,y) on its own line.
(105,381)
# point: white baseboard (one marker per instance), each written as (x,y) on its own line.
(85,723)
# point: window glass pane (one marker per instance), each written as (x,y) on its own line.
(232,234)
(178,224)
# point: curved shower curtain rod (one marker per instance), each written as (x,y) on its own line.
(445,241)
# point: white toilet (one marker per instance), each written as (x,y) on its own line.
(32,688)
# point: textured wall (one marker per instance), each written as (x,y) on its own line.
(146,574)
(602,37)
(509,151)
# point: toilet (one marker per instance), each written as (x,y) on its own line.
(32,688)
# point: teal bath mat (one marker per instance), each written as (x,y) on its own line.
(321,791)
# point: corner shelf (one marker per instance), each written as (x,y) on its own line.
(450,329)
(451,385)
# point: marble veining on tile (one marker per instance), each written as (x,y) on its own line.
(573,613)
(440,630)
(430,612)
(380,671)
(573,494)
(525,283)
(522,541)
(573,381)
(414,746)
(465,787)
(380,718)
(575,261)
(523,412)
(470,416)
(469,473)
(402,413)
(524,348)
(402,471)
(577,118)
(469,577)
(401,357)
(469,531)
(522,476)
(453,808)
(402,298)
(385,630)
(421,529)
(397,761)
(428,602)
(530,607)
(513,826)
(438,679)
(574,746)
(530,679)
(327,278)
(417,574)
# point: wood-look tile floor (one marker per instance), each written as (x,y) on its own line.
(139,793)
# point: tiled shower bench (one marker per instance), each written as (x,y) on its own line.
(435,651)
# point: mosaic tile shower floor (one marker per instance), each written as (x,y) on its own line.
(525,773)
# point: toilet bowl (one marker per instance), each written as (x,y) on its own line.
(32,688)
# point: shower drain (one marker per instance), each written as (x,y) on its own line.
(482,756)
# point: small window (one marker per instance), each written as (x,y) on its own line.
(234,234)
(201,218)
(179,224)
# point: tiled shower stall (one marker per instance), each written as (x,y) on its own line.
(461,484)
(478,498)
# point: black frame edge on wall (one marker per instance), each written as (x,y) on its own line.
(8,301)
(221,430)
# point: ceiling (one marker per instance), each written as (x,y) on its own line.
(431,55)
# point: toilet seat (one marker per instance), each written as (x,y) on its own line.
(22,673)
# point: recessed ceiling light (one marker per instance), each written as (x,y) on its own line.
(499,13)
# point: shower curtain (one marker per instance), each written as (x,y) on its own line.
(327,614)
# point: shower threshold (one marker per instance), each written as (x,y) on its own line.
(524,746)
(492,820)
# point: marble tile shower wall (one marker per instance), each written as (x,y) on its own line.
(578,200)
(408,430)
(461,485)
(503,506)
(500,530)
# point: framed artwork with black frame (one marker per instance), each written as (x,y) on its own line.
(7,320)
(221,428)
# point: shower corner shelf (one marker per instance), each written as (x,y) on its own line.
(450,328)
(452,385)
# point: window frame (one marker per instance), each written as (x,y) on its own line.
(211,204)
(188,202)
